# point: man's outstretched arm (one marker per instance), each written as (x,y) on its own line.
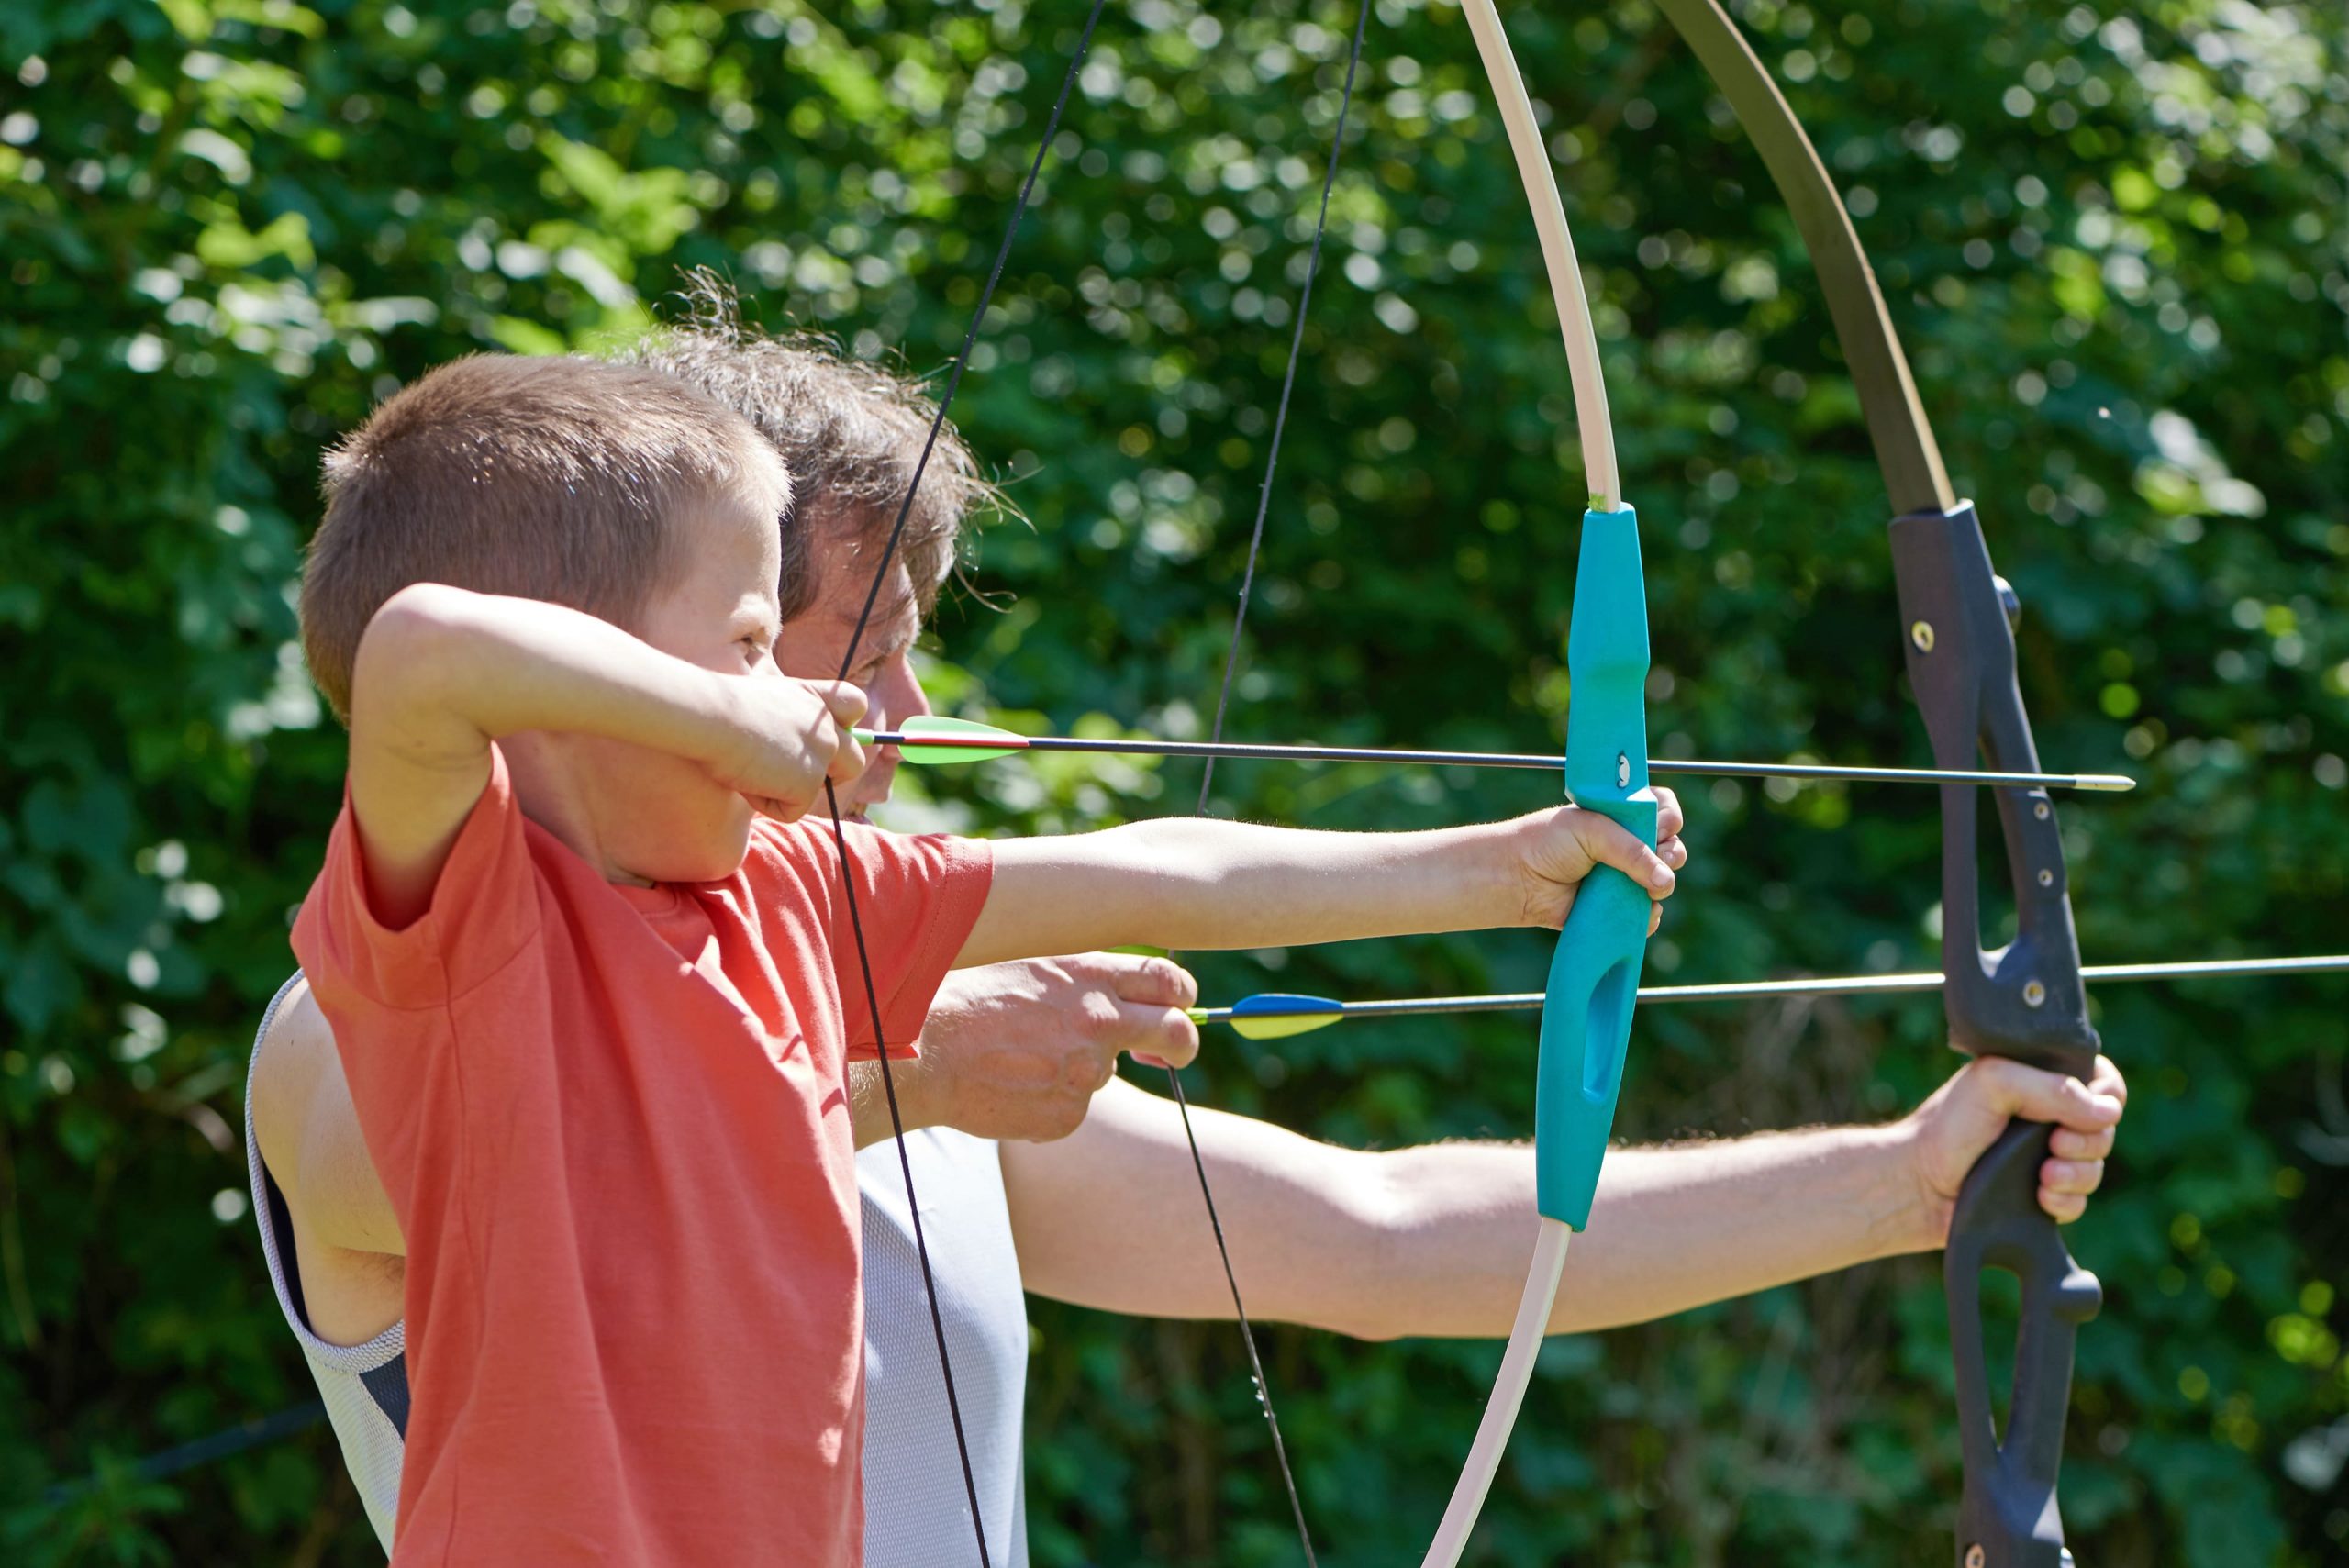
(1433,1240)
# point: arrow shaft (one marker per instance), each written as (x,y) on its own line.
(1845,986)
(1242,751)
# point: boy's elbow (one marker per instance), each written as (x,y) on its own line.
(411,644)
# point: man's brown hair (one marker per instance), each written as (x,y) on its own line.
(545,478)
(850,432)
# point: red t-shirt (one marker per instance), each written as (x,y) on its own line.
(614,1124)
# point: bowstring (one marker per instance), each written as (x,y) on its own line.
(848,662)
(1207,775)
(831,797)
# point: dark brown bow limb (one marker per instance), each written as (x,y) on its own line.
(2025,1000)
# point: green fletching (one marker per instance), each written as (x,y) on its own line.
(935,725)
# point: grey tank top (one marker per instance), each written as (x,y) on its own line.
(916,1512)
(364,1385)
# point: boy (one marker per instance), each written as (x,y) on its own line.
(595,1016)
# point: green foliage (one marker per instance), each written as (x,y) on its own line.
(2112,236)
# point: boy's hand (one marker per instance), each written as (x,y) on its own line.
(1567,844)
(1966,1115)
(783,739)
(1017,1051)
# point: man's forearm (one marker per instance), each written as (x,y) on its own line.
(868,1099)
(1671,1229)
(1434,1241)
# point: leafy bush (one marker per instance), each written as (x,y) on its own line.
(2112,236)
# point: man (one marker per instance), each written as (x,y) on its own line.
(1039,1169)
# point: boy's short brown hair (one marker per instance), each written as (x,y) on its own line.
(549,478)
(851,433)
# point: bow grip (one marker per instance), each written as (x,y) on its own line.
(2008,1515)
(1585,1027)
(1594,974)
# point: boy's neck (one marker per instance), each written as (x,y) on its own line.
(550,790)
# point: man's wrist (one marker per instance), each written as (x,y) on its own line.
(870,1084)
(1911,1219)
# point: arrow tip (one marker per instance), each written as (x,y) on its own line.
(2115,784)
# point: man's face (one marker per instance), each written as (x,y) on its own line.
(811,646)
(658,816)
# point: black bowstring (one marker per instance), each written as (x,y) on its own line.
(848,662)
(831,799)
(1206,776)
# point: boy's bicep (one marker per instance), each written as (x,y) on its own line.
(1064,894)
(417,764)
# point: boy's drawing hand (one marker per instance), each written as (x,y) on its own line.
(1965,1116)
(1017,1051)
(785,737)
(1566,845)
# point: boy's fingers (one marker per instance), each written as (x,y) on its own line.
(845,699)
(777,808)
(1610,843)
(1669,817)
(848,758)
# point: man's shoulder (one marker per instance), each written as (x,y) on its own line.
(294,1047)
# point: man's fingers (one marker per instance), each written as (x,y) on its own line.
(2062,1207)
(2036,1095)
(1163,1036)
(2106,1080)
(2075,1178)
(1154,982)
(2068,1144)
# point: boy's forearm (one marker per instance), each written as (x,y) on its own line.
(1189,882)
(444,667)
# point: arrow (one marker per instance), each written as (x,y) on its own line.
(1276,1016)
(933,740)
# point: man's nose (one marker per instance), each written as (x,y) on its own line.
(897,695)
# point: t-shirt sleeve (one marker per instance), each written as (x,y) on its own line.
(485,909)
(918,895)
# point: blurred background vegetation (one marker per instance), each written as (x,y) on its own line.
(2112,235)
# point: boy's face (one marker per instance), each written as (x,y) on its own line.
(659,818)
(811,646)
